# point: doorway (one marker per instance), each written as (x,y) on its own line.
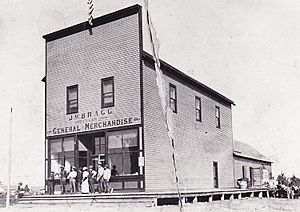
(91,150)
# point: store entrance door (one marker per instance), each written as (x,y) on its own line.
(91,150)
(98,150)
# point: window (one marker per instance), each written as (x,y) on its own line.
(218,122)
(107,92)
(123,152)
(72,99)
(173,98)
(215,175)
(61,153)
(198,109)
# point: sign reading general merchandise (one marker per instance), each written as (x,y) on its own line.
(92,120)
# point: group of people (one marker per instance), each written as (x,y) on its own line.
(21,190)
(82,181)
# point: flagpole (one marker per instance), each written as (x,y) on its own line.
(9,160)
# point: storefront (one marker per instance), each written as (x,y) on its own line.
(102,105)
(120,149)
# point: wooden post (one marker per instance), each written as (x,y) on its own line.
(260,194)
(252,194)
(223,197)
(9,160)
(195,200)
(240,196)
(182,200)
(231,196)
(210,198)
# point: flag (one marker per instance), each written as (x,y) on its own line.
(91,9)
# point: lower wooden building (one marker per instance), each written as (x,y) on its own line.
(251,165)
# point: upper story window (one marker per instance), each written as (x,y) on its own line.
(72,99)
(198,108)
(107,92)
(218,121)
(173,98)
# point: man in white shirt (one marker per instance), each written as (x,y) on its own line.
(106,178)
(100,179)
(72,178)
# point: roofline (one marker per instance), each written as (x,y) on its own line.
(175,71)
(96,22)
(252,158)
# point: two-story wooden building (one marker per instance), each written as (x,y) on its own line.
(102,104)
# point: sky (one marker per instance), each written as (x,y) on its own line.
(247,50)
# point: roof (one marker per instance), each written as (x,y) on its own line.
(167,67)
(244,150)
(96,22)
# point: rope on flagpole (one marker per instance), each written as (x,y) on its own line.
(167,112)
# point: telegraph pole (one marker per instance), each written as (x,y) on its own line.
(9,160)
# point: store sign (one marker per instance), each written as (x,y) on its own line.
(95,120)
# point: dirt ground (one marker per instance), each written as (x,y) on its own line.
(244,205)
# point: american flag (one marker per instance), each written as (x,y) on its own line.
(91,9)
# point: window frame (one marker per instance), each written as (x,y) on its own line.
(124,150)
(103,105)
(218,117)
(63,154)
(199,119)
(174,99)
(68,101)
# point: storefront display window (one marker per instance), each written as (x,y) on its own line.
(123,152)
(61,154)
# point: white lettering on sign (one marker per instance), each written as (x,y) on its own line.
(87,115)
(94,125)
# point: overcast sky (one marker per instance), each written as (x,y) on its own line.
(247,50)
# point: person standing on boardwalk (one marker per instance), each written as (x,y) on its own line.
(91,178)
(51,183)
(72,178)
(106,178)
(63,179)
(78,181)
(100,178)
(85,181)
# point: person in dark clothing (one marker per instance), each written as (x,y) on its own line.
(114,171)
(63,179)
(20,190)
(51,183)
(78,180)
(91,177)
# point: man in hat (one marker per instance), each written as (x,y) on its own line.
(91,177)
(100,178)
(20,190)
(79,180)
(63,179)
(72,178)
(51,183)
(106,178)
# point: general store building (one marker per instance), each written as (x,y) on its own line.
(102,104)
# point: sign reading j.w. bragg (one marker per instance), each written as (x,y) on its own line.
(92,120)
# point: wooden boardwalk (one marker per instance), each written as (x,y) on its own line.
(147,198)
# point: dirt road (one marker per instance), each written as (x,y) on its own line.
(244,205)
